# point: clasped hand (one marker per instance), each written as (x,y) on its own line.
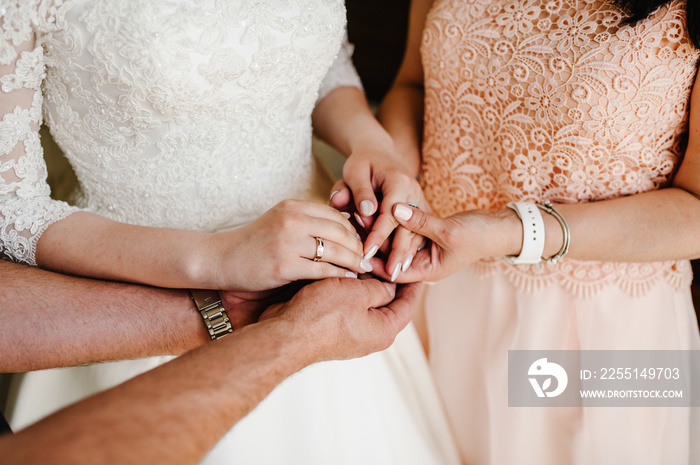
(401,231)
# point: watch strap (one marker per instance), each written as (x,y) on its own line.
(210,306)
(533,233)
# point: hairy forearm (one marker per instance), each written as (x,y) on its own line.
(50,320)
(171,415)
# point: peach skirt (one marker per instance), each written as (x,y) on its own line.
(473,321)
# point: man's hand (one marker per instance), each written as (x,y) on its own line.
(245,307)
(347,318)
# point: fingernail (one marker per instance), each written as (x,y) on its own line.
(402,212)
(407,262)
(350,274)
(366,207)
(395,274)
(358,218)
(357,235)
(422,245)
(371,252)
(391,288)
(333,193)
(366,266)
(346,215)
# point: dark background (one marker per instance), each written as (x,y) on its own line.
(378,31)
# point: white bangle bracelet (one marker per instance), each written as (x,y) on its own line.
(533,234)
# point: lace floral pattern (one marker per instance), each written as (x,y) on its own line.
(180,113)
(560,100)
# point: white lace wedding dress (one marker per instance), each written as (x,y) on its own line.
(196,115)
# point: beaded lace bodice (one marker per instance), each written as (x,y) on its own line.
(177,113)
(560,100)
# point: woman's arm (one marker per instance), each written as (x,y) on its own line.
(653,226)
(35,229)
(376,166)
(401,112)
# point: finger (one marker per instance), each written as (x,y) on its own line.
(308,269)
(341,197)
(422,269)
(293,208)
(401,254)
(419,222)
(377,293)
(329,231)
(400,311)
(381,230)
(335,254)
(359,180)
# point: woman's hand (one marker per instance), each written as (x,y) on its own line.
(280,246)
(457,241)
(369,171)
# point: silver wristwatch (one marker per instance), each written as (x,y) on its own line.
(213,312)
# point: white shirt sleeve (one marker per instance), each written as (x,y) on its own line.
(26,208)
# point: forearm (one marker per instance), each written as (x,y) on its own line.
(50,320)
(172,415)
(344,120)
(85,244)
(401,114)
(654,226)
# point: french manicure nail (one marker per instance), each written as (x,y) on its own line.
(333,193)
(407,263)
(371,252)
(346,215)
(395,274)
(350,274)
(366,207)
(365,265)
(402,212)
(358,218)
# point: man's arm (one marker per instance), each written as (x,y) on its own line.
(50,320)
(175,413)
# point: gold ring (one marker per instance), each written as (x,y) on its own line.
(319,250)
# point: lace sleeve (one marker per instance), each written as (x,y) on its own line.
(342,72)
(26,209)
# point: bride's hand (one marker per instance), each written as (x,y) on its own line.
(280,247)
(371,171)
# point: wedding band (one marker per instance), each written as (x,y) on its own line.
(319,250)
(413,205)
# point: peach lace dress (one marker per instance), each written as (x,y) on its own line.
(560,100)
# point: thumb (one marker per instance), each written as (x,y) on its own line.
(377,293)
(419,222)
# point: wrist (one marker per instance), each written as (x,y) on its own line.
(201,262)
(505,233)
(295,346)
